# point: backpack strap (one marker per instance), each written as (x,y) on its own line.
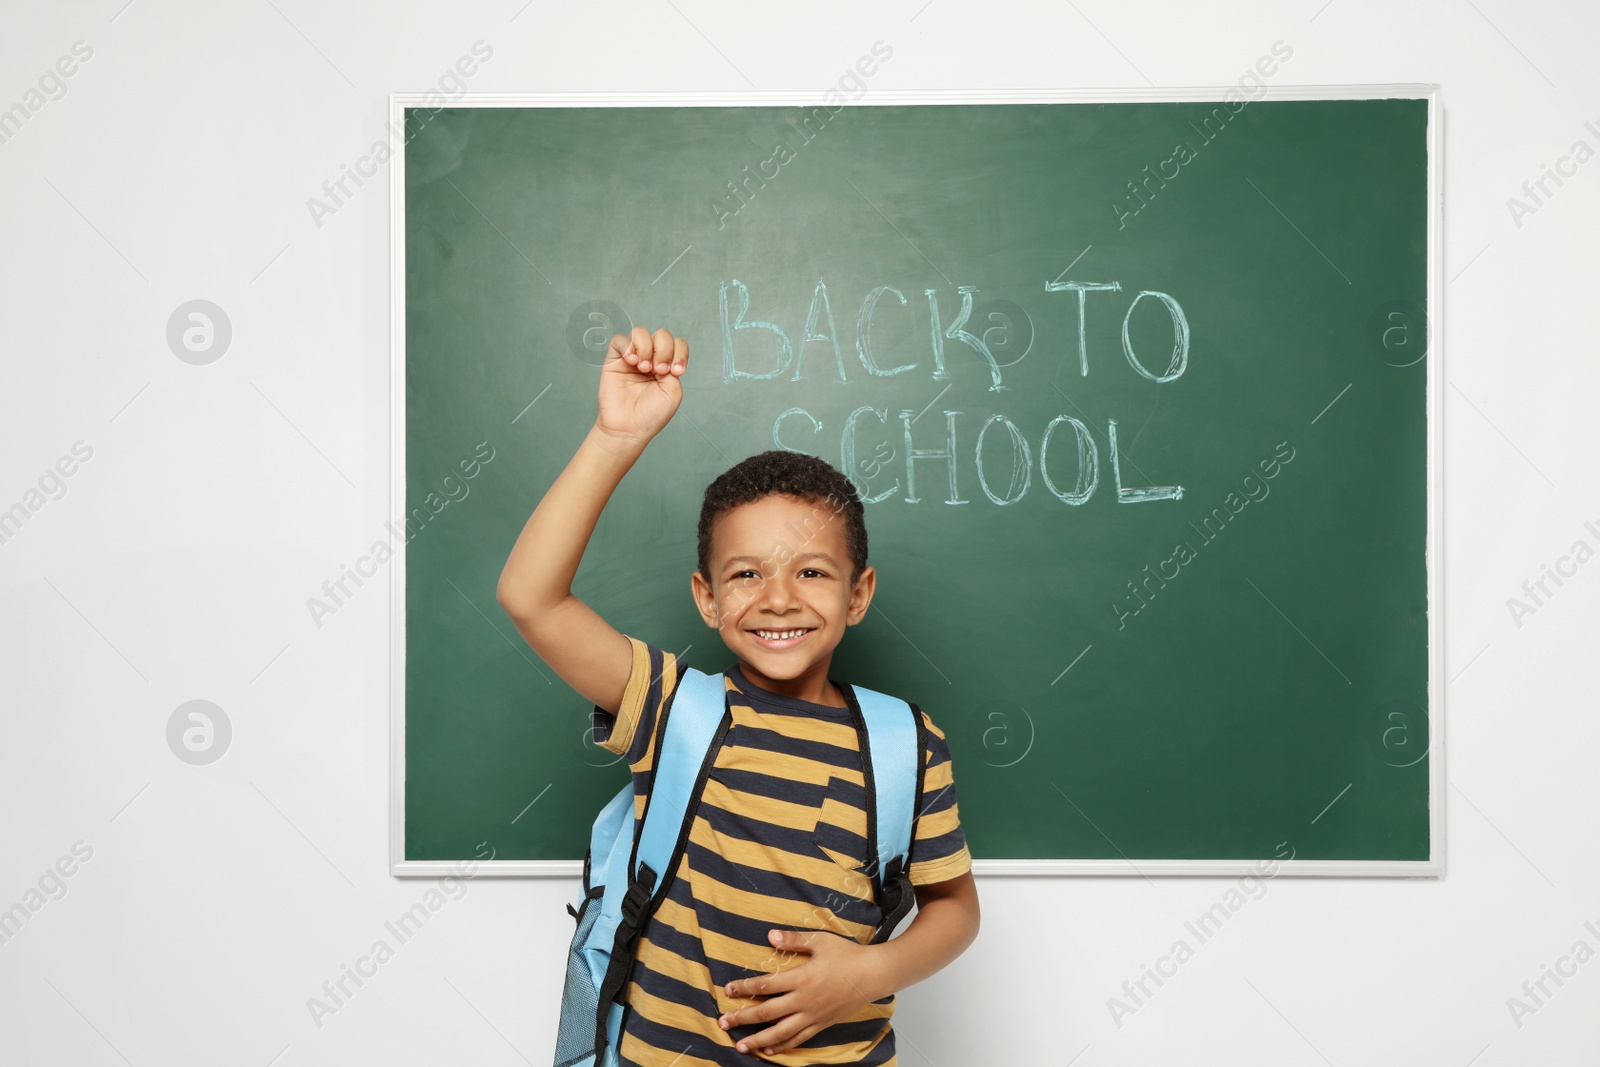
(892,762)
(700,704)
(694,722)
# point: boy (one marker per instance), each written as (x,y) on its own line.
(762,946)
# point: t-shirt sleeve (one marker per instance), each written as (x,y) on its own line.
(632,731)
(938,845)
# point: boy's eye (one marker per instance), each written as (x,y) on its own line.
(810,570)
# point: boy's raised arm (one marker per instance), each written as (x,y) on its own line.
(639,392)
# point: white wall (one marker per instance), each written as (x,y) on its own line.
(217,899)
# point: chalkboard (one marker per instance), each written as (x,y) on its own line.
(1140,392)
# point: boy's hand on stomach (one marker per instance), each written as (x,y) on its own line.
(639,389)
(830,984)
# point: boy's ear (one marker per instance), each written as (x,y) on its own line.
(861,595)
(704,599)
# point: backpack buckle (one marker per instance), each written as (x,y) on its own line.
(637,896)
(895,897)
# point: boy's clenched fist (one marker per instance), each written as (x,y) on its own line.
(639,390)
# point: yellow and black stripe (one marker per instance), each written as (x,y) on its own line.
(779,841)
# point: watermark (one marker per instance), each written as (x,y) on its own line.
(817,920)
(1137,993)
(337,191)
(1400,734)
(199,332)
(1536,992)
(883,454)
(587,744)
(591,326)
(51,885)
(1397,333)
(199,732)
(1005,329)
(50,86)
(52,485)
(1537,592)
(1004,732)
(1249,88)
(1536,192)
(1254,489)
(337,592)
(336,992)
(742,191)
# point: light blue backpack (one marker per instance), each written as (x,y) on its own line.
(623,868)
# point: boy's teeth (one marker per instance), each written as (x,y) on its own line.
(778,635)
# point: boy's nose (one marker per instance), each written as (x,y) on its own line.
(776,594)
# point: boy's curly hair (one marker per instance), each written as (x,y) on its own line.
(792,474)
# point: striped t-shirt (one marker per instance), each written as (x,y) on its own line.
(777,838)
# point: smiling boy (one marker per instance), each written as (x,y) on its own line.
(763,947)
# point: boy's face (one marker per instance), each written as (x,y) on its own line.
(780,592)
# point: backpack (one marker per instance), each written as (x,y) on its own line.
(623,867)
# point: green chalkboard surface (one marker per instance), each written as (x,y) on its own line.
(1137,392)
